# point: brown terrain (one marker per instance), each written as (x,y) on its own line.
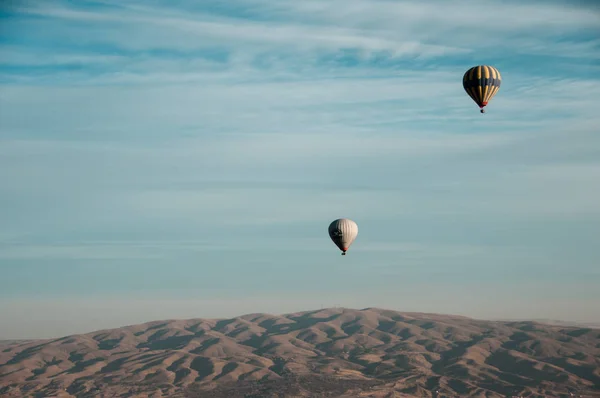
(327,353)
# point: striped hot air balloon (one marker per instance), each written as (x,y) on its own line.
(343,232)
(482,82)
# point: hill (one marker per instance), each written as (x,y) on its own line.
(331,352)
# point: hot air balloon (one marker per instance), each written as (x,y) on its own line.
(482,83)
(343,232)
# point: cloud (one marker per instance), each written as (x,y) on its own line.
(531,195)
(15,56)
(81,252)
(163,249)
(115,250)
(356,13)
(411,250)
(265,179)
(179,30)
(291,39)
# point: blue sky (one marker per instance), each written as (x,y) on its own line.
(179,159)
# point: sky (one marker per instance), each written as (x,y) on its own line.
(183,159)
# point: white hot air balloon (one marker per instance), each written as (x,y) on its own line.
(343,232)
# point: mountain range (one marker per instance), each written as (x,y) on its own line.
(334,352)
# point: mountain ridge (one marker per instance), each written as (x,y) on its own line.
(338,351)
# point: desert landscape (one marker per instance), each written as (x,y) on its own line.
(333,352)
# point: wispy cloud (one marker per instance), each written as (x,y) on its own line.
(80,252)
(291,38)
(105,250)
(163,249)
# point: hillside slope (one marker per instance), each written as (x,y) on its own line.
(341,352)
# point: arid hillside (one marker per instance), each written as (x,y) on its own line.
(327,353)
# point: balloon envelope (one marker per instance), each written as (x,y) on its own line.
(482,82)
(343,232)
